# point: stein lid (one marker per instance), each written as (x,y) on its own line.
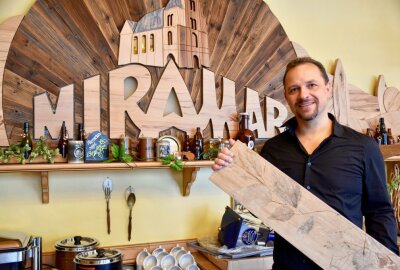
(76,244)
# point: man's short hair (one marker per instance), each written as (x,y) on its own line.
(305,60)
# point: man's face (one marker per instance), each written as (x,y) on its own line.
(306,92)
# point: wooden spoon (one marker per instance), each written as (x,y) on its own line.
(131,202)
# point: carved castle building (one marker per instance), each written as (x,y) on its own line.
(178,31)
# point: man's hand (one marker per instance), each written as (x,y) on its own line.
(224,158)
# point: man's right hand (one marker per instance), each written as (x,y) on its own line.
(224,158)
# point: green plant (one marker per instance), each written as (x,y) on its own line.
(118,154)
(41,149)
(16,151)
(175,164)
(211,153)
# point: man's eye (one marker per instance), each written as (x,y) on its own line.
(312,85)
(292,90)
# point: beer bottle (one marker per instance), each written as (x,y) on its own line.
(81,133)
(382,130)
(186,144)
(369,133)
(63,141)
(198,144)
(26,140)
(390,138)
(245,135)
(377,136)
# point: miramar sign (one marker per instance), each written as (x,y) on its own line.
(172,37)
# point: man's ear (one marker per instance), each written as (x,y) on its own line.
(329,88)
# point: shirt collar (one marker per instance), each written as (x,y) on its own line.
(291,126)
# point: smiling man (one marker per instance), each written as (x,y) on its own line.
(339,165)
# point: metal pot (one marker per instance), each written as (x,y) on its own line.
(16,248)
(68,248)
(99,259)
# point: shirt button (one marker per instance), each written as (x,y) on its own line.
(309,164)
(308,187)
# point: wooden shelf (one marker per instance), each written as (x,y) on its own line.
(190,169)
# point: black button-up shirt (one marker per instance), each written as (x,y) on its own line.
(347,172)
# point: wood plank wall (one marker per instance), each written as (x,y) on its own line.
(62,42)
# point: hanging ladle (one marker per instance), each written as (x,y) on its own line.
(131,199)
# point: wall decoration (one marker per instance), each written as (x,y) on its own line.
(217,58)
(96,147)
(81,45)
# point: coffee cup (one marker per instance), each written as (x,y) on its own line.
(149,262)
(185,260)
(140,258)
(168,261)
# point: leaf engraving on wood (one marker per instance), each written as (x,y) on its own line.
(282,213)
(307,226)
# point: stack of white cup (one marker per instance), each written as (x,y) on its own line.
(177,259)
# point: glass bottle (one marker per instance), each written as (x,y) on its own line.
(245,135)
(26,140)
(382,130)
(369,133)
(81,133)
(198,144)
(390,138)
(63,141)
(377,136)
(186,144)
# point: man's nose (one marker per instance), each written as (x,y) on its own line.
(303,93)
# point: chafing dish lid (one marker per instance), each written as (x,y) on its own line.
(98,257)
(10,240)
(77,244)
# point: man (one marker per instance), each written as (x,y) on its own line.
(342,167)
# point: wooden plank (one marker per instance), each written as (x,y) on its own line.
(92,101)
(391,99)
(313,227)
(341,102)
(7,32)
(388,151)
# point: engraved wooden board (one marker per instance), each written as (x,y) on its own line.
(309,224)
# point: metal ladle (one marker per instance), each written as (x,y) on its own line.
(131,202)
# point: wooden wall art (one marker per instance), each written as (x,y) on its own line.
(209,54)
(71,61)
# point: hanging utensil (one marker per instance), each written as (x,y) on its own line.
(131,199)
(107,187)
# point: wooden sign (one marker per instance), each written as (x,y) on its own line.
(96,147)
(313,227)
(212,58)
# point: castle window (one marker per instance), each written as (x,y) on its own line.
(192,5)
(152,42)
(135,45)
(169,38)
(169,20)
(193,22)
(194,40)
(143,44)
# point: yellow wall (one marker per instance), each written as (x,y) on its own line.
(363,33)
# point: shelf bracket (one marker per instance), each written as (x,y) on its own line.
(189,176)
(44,181)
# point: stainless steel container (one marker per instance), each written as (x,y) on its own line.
(68,248)
(99,259)
(17,248)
